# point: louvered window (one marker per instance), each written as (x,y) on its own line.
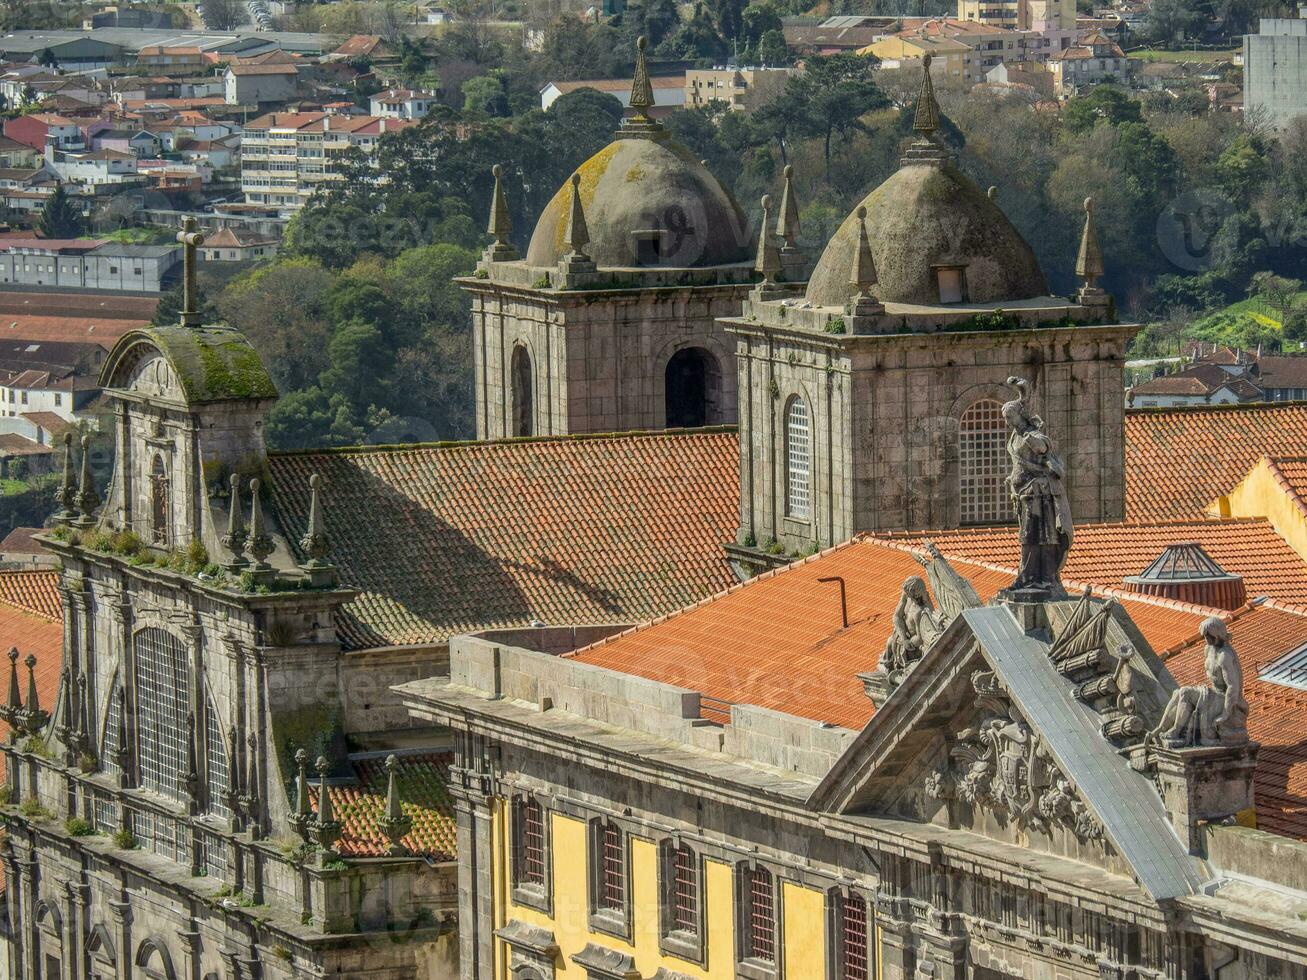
(798,460)
(983,465)
(162,686)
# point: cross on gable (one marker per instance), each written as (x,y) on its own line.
(190,238)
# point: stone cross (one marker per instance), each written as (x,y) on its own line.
(190,239)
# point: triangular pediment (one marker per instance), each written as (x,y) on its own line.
(1032,737)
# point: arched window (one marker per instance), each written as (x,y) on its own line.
(983,465)
(216,751)
(159,503)
(50,938)
(693,389)
(798,460)
(523,419)
(162,704)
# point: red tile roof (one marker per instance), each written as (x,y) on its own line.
(1178,461)
(34,309)
(33,592)
(21,541)
(1277,715)
(445,539)
(778,641)
(421,780)
(1104,554)
(28,622)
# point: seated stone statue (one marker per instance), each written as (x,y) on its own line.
(916,625)
(1212,714)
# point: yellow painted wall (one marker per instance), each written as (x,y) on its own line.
(1261,495)
(802,929)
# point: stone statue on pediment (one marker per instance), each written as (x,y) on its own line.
(1039,497)
(1208,714)
(916,626)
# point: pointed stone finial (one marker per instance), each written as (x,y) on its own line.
(394,824)
(87,499)
(302,818)
(577,235)
(234,539)
(190,239)
(14,703)
(326,829)
(862,276)
(864,266)
(66,495)
(768,262)
(642,97)
(787,222)
(34,718)
(926,120)
(314,543)
(260,544)
(64,730)
(1089,261)
(501,225)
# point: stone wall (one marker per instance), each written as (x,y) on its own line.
(884,414)
(598,357)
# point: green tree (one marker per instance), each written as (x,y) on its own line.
(1104,102)
(729,17)
(361,364)
(772,49)
(1170,21)
(61,218)
(1242,167)
(652,19)
(48,60)
(830,97)
(485,94)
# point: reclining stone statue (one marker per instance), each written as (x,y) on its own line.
(1211,714)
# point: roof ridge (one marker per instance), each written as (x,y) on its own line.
(520,440)
(1198,409)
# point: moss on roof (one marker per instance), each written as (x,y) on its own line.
(213,363)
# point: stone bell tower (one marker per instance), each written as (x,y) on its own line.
(610,321)
(873,401)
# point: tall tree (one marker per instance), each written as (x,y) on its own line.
(61,218)
(222,15)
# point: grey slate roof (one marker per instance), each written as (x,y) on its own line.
(1124,800)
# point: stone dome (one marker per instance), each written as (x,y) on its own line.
(925,216)
(647,202)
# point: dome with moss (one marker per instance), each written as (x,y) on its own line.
(927,217)
(647,202)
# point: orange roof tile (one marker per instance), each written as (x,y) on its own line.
(33,592)
(1277,715)
(445,539)
(421,780)
(1178,461)
(33,632)
(1104,554)
(778,641)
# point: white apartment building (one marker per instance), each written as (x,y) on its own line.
(402,103)
(286,155)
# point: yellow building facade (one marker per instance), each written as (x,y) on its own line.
(566,910)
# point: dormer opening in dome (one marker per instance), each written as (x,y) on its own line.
(885,379)
(619,332)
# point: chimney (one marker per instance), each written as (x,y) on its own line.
(1186,573)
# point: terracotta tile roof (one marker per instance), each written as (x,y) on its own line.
(34,307)
(21,541)
(421,779)
(778,641)
(1282,372)
(1104,554)
(31,631)
(445,539)
(1277,715)
(1177,461)
(32,592)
